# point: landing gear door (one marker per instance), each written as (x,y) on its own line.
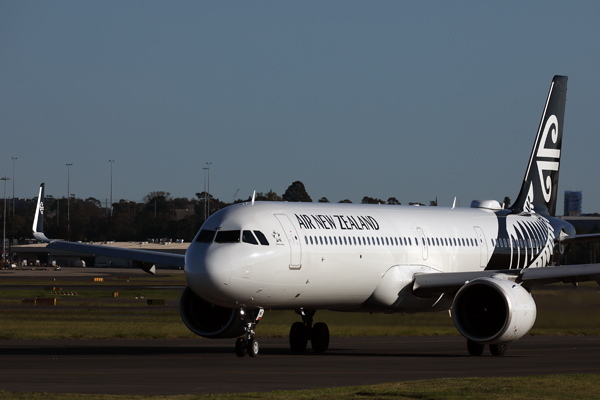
(293,239)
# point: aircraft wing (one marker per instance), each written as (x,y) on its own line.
(431,284)
(578,238)
(137,256)
(143,259)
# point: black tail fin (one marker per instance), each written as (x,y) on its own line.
(38,220)
(540,185)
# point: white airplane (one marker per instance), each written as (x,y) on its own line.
(479,262)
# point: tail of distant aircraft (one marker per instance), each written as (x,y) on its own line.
(540,185)
(38,220)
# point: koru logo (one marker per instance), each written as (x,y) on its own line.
(42,208)
(545,152)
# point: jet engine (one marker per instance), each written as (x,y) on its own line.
(493,311)
(208,320)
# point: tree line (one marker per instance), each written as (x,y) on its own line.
(158,216)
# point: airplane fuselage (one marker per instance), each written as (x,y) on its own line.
(342,256)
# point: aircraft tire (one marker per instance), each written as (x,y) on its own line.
(298,337)
(320,337)
(253,347)
(475,349)
(240,347)
(498,349)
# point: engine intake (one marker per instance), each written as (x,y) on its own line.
(493,311)
(208,320)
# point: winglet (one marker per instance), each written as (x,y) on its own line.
(38,220)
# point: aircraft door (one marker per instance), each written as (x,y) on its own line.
(293,239)
(423,243)
(483,249)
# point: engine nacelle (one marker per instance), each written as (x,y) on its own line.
(208,320)
(493,311)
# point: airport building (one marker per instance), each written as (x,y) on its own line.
(572,204)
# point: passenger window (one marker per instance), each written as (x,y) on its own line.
(227,237)
(306,240)
(334,238)
(205,236)
(377,241)
(311,241)
(261,238)
(321,239)
(248,237)
(428,244)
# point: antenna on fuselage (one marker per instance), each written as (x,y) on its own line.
(454,204)
(253,197)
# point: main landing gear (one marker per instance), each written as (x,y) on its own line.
(476,349)
(248,343)
(302,332)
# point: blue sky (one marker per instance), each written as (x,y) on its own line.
(406,99)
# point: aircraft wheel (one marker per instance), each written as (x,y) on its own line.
(298,337)
(320,337)
(240,347)
(253,347)
(475,349)
(498,349)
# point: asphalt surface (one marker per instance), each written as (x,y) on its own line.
(168,367)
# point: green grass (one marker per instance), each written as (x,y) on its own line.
(562,310)
(160,279)
(577,386)
(91,324)
(91,294)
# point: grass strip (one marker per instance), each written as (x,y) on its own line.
(574,386)
(91,294)
(92,324)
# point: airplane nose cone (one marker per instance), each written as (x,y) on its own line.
(208,271)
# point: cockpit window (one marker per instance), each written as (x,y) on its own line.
(261,238)
(248,237)
(205,236)
(227,237)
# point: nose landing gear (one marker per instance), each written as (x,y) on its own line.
(302,332)
(248,343)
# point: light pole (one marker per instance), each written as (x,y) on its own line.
(111,203)
(13,205)
(4,231)
(208,190)
(68,196)
(204,192)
